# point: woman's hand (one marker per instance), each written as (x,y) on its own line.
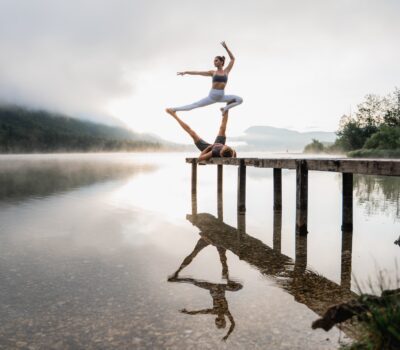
(181,73)
(224,45)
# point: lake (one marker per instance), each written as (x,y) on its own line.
(101,251)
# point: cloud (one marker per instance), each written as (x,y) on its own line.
(72,56)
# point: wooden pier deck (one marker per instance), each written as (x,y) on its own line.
(384,167)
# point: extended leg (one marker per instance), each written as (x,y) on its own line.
(184,126)
(201,244)
(201,103)
(224,122)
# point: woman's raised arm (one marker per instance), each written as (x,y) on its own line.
(232,61)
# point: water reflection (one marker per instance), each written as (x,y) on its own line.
(306,286)
(217,290)
(378,194)
(21,179)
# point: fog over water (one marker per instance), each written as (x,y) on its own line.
(88,242)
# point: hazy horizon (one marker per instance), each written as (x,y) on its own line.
(300,65)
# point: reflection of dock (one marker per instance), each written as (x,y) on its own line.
(307,287)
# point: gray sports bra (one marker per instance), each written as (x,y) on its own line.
(220,78)
(216,149)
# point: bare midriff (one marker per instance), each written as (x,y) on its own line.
(218,86)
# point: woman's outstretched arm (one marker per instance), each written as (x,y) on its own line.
(231,328)
(196,312)
(209,73)
(232,61)
(205,156)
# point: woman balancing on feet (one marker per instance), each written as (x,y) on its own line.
(218,149)
(219,81)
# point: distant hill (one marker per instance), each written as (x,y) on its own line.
(280,139)
(23,130)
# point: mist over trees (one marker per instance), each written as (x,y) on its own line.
(26,131)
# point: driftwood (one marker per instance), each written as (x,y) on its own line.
(359,307)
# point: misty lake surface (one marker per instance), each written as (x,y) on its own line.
(90,245)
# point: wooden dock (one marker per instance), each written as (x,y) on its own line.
(346,166)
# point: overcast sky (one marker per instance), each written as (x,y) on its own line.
(299,64)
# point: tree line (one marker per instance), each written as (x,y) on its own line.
(27,131)
(373,130)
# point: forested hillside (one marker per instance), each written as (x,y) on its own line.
(23,130)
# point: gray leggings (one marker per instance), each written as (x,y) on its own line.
(213,97)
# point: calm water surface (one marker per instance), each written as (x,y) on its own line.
(101,251)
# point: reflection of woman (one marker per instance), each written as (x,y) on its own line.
(220,304)
(219,81)
(217,290)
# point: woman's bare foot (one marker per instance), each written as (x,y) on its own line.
(222,110)
(171,111)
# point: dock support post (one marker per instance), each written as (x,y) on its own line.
(241,201)
(277,229)
(301,197)
(220,202)
(347,230)
(300,262)
(277,189)
(345,268)
(347,202)
(194,188)
(241,223)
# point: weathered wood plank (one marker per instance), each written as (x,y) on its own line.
(384,167)
(278,163)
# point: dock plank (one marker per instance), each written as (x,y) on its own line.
(384,167)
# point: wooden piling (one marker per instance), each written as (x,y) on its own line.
(347,202)
(194,188)
(220,202)
(345,267)
(241,199)
(277,189)
(347,229)
(277,230)
(300,262)
(241,223)
(301,197)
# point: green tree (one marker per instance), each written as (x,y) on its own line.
(353,135)
(314,147)
(386,138)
